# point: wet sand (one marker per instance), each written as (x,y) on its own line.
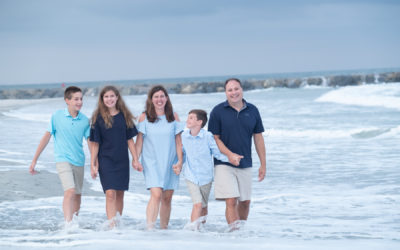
(21,185)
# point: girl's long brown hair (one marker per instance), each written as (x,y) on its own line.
(102,109)
(150,111)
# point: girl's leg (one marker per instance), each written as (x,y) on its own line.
(165,210)
(153,207)
(120,201)
(111,200)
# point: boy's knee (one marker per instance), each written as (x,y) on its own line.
(69,193)
(197,206)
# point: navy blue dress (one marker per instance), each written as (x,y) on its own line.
(113,151)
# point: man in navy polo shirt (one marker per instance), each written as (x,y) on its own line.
(233,124)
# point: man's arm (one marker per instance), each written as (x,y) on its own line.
(260,148)
(42,145)
(233,158)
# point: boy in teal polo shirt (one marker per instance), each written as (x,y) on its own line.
(69,127)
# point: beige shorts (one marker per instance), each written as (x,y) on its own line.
(70,176)
(232,182)
(199,193)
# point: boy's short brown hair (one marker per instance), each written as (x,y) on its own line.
(71,90)
(201,115)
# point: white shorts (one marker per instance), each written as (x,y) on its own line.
(70,176)
(232,182)
(199,193)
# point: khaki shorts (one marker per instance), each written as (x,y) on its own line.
(232,182)
(199,193)
(70,176)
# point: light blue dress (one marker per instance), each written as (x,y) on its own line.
(159,152)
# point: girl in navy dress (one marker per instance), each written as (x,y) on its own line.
(111,132)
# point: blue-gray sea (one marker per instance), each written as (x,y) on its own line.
(333,177)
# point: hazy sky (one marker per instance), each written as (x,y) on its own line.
(82,40)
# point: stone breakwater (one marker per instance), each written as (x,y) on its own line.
(215,86)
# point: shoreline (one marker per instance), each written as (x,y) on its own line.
(191,87)
(21,185)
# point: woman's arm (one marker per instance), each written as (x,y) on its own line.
(179,152)
(139,137)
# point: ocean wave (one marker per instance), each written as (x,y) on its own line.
(359,133)
(2,151)
(37,117)
(380,95)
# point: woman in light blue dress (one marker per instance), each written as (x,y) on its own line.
(160,146)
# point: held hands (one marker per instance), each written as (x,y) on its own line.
(137,166)
(177,168)
(235,158)
(94,169)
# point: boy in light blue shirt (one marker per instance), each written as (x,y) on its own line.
(69,127)
(199,147)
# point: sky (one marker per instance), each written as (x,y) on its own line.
(50,41)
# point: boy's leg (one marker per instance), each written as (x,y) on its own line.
(205,194)
(68,204)
(196,212)
(78,173)
(77,204)
(71,203)
(197,199)
(204,212)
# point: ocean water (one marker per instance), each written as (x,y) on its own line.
(333,178)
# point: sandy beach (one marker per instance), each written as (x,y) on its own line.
(21,185)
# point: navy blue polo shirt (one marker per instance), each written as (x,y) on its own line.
(235,129)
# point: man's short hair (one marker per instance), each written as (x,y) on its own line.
(201,115)
(232,79)
(70,91)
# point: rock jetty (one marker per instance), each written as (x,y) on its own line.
(213,86)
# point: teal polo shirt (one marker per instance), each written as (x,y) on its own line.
(68,135)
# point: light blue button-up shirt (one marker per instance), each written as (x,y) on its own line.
(198,157)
